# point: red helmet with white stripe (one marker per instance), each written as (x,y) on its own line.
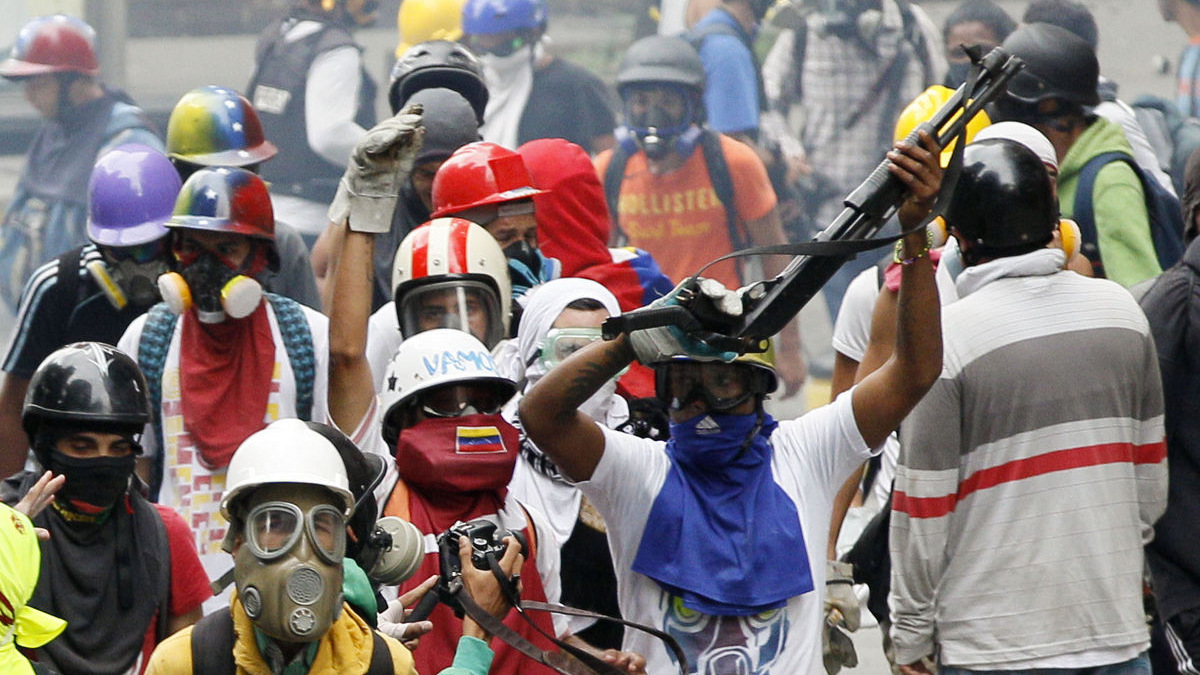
(450,273)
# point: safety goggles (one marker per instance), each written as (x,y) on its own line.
(563,342)
(461,399)
(720,386)
(140,254)
(274,528)
(486,215)
(480,45)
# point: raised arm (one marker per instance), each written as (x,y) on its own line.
(883,398)
(550,411)
(351,387)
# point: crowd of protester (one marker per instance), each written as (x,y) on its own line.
(391,449)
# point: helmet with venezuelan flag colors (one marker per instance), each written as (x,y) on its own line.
(52,44)
(450,253)
(225,199)
(432,359)
(922,108)
(216,126)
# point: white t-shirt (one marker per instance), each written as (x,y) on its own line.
(187,486)
(813,456)
(383,339)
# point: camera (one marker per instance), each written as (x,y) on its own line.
(486,538)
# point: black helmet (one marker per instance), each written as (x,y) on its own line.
(1058,64)
(86,384)
(1003,202)
(439,63)
(364,473)
(659,59)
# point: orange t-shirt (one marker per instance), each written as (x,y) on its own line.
(677,216)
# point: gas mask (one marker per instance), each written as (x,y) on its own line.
(656,131)
(288,569)
(844,19)
(213,288)
(127,275)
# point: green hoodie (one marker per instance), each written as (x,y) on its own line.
(1123,228)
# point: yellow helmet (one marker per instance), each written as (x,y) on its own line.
(923,107)
(424,20)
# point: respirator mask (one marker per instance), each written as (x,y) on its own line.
(127,274)
(288,570)
(213,287)
(657,128)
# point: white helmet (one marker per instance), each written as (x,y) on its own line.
(286,451)
(432,359)
(454,252)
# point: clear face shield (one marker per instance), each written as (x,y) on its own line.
(469,306)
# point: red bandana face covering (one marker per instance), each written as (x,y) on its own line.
(225,372)
(457,468)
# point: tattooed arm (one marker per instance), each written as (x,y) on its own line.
(550,411)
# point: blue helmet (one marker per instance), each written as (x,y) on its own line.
(487,17)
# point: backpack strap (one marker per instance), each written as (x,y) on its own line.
(722,182)
(614,177)
(152,354)
(212,644)
(298,342)
(381,657)
(1084,212)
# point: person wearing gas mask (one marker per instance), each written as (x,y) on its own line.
(289,504)
(315,99)
(564,316)
(54,60)
(95,291)
(844,70)
(122,571)
(439,413)
(489,185)
(217,126)
(222,358)
(531,90)
(666,198)
(718,535)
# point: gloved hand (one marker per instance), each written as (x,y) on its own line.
(841,604)
(655,345)
(378,167)
(837,650)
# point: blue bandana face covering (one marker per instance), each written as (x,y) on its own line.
(722,534)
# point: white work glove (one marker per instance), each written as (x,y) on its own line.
(841,611)
(841,603)
(655,345)
(378,167)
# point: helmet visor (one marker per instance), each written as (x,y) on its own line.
(469,306)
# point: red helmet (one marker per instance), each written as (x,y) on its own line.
(53,44)
(479,174)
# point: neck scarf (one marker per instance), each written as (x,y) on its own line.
(458,468)
(225,375)
(509,81)
(722,534)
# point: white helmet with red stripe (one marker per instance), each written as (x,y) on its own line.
(451,273)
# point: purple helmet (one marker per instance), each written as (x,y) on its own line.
(130,196)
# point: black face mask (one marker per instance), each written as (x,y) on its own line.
(524,264)
(97,481)
(205,278)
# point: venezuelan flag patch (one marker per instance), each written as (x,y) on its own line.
(479,440)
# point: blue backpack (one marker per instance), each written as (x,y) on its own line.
(1162,208)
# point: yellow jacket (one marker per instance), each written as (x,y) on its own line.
(344,650)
